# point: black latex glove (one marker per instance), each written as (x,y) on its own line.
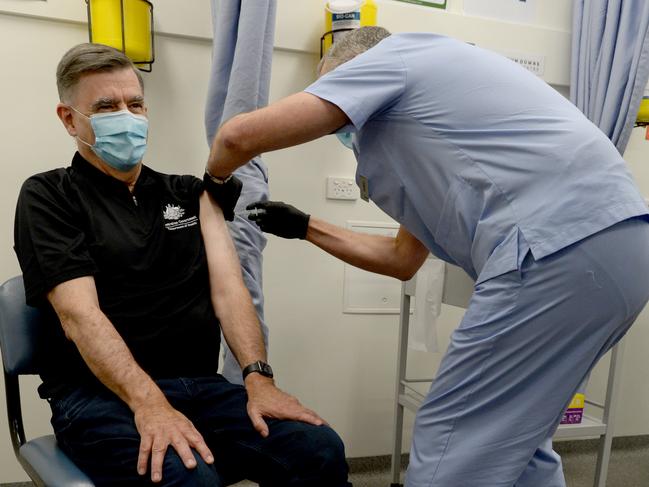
(280,219)
(226,194)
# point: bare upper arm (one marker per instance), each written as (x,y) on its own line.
(222,259)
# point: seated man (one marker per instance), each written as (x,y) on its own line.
(136,286)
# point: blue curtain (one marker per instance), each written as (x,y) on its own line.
(239,82)
(610,63)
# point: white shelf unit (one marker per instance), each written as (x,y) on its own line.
(457,292)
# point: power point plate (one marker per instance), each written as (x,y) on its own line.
(341,189)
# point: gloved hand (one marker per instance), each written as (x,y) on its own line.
(279,218)
(226,194)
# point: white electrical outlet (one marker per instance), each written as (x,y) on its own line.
(341,189)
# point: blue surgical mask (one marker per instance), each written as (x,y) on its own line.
(120,138)
(345,139)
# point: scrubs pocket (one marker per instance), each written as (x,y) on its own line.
(492,301)
(506,257)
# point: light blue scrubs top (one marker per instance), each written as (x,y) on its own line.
(477,157)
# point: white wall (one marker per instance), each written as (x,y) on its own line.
(341,365)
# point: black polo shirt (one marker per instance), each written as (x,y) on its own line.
(146,253)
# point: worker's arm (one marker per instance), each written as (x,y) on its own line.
(233,306)
(291,121)
(108,357)
(399,256)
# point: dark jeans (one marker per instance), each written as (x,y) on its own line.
(97,431)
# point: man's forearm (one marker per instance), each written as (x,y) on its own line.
(108,357)
(100,346)
(240,324)
(398,257)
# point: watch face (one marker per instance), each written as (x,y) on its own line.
(266,369)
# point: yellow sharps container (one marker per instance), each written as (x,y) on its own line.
(643,113)
(344,15)
(118,22)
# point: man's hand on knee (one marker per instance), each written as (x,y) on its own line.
(265,400)
(161,426)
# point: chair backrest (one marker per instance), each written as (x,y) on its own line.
(21,341)
(20,329)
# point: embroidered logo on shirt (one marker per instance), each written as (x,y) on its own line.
(173,212)
(173,215)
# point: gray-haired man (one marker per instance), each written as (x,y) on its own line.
(137,272)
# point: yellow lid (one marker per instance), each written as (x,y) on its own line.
(643,113)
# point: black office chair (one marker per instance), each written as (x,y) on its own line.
(41,458)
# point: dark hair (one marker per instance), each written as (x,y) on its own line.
(89,58)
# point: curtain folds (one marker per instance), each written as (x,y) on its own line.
(610,63)
(239,82)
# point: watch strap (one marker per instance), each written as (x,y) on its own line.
(259,367)
(218,180)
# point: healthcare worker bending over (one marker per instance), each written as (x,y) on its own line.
(487,167)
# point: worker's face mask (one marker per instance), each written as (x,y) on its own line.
(120,138)
(345,139)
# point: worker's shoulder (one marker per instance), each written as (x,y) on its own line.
(422,51)
(420,40)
